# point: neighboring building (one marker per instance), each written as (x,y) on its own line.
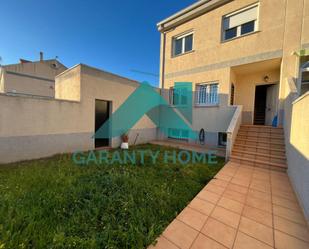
(31,78)
(34,126)
(248,61)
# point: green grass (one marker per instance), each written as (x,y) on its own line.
(52,203)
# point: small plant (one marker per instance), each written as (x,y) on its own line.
(125,138)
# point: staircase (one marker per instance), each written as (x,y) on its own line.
(260,146)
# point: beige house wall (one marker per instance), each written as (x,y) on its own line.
(305,25)
(68,84)
(245,90)
(35,127)
(33,78)
(280,33)
(210,50)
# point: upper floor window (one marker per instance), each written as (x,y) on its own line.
(182,44)
(207,94)
(240,23)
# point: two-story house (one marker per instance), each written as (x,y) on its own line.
(237,52)
(248,62)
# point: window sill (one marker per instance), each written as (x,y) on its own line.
(238,37)
(178,106)
(203,106)
(189,52)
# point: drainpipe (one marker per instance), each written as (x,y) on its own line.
(163,60)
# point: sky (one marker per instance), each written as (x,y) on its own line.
(116,36)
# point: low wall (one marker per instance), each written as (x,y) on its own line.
(35,127)
(297,146)
(32,127)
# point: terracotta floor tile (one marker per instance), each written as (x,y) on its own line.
(289,214)
(214,188)
(261,176)
(284,241)
(243,176)
(192,218)
(219,232)
(257,230)
(291,228)
(219,182)
(244,241)
(237,188)
(258,215)
(261,182)
(202,206)
(228,171)
(208,196)
(260,187)
(227,217)
(241,181)
(223,177)
(266,197)
(163,243)
(286,195)
(230,204)
(235,196)
(285,203)
(180,234)
(282,188)
(203,242)
(258,203)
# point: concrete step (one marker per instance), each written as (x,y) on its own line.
(261,134)
(261,128)
(273,142)
(260,148)
(259,163)
(266,155)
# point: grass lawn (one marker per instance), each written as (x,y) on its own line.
(53,203)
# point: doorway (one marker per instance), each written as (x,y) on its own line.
(265,104)
(102,110)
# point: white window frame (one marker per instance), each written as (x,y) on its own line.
(182,37)
(213,100)
(238,34)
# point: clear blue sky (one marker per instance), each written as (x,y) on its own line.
(116,36)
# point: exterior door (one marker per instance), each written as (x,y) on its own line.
(271,103)
(102,108)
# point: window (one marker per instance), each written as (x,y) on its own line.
(182,44)
(222,138)
(207,94)
(240,23)
(178,96)
(178,133)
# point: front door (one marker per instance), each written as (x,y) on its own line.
(271,103)
(260,105)
(102,108)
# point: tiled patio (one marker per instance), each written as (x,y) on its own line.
(244,207)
